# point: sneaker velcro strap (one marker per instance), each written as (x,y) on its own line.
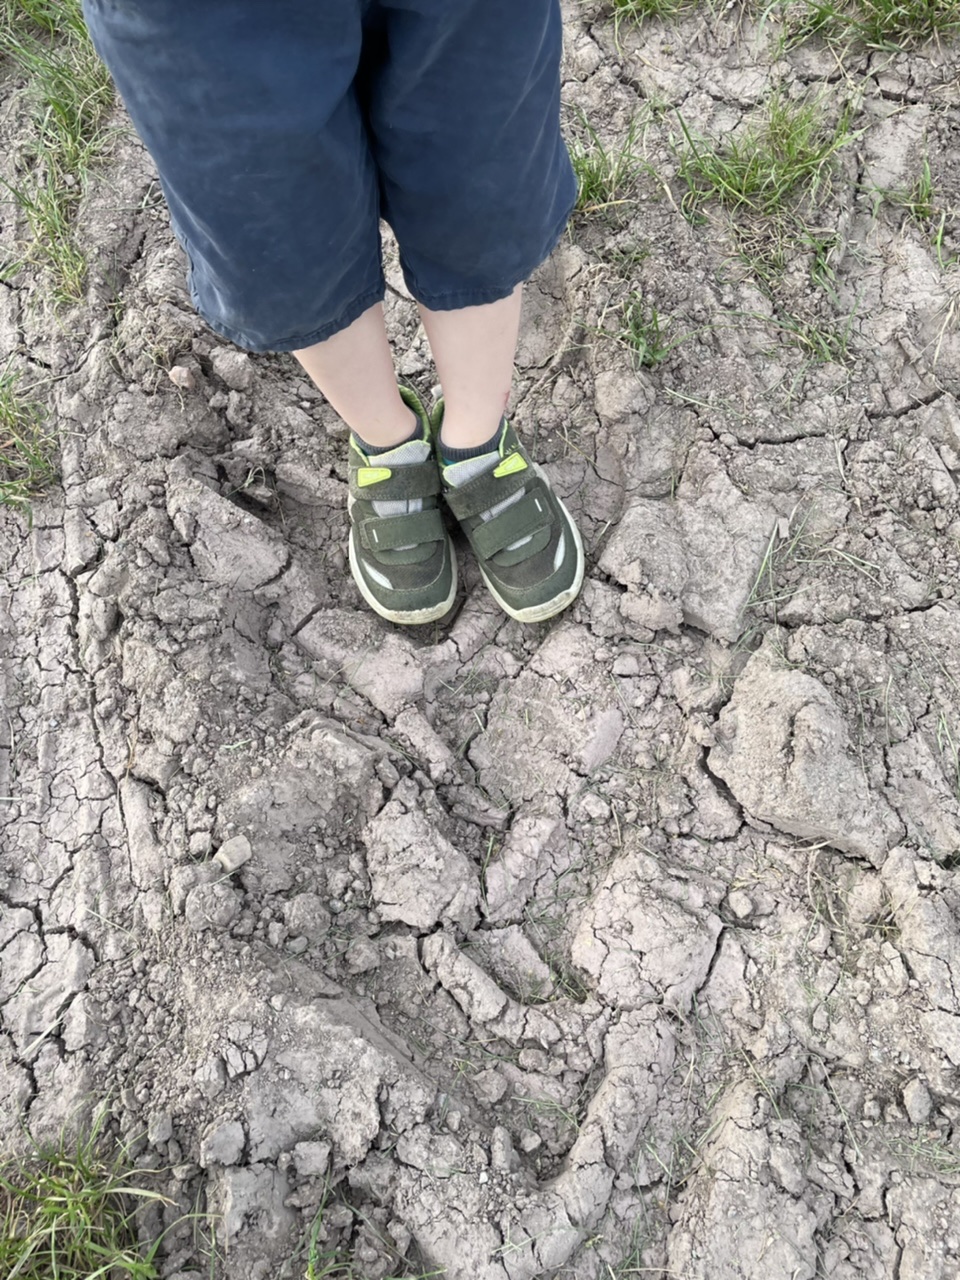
(417,480)
(387,533)
(485,491)
(523,519)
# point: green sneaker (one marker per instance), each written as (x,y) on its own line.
(528,548)
(401,556)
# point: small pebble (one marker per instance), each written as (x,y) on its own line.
(740,903)
(182,378)
(917,1101)
(160,1129)
(233,853)
(362,956)
(199,844)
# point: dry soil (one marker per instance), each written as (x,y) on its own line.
(626,944)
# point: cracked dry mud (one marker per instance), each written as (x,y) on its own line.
(626,943)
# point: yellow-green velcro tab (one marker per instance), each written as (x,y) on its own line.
(372,475)
(512,463)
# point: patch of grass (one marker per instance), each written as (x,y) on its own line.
(781,545)
(927,1155)
(644,332)
(26,447)
(328,1263)
(640,10)
(606,175)
(920,200)
(632,1263)
(551,1110)
(627,258)
(782,159)
(826,341)
(919,203)
(546,924)
(771,178)
(791,548)
(878,24)
(947,263)
(71,92)
(68,1213)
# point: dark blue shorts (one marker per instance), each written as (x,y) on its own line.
(283,130)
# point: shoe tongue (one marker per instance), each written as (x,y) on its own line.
(404,455)
(407,454)
(457,474)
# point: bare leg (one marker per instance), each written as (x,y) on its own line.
(354,370)
(474,350)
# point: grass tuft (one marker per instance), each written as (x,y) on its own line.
(644,332)
(920,204)
(920,201)
(70,92)
(26,447)
(68,1212)
(879,24)
(322,1262)
(640,10)
(783,158)
(772,178)
(606,175)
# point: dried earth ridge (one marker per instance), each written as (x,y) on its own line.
(625,944)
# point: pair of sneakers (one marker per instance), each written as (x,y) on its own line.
(401,556)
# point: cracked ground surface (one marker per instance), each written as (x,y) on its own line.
(628,943)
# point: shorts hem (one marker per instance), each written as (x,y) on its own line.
(456,299)
(465,297)
(297,342)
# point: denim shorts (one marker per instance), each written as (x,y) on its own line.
(284,131)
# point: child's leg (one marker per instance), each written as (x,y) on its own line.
(477,185)
(474,350)
(254,117)
(354,370)
(401,557)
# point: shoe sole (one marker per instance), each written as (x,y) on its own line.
(541,612)
(408,617)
